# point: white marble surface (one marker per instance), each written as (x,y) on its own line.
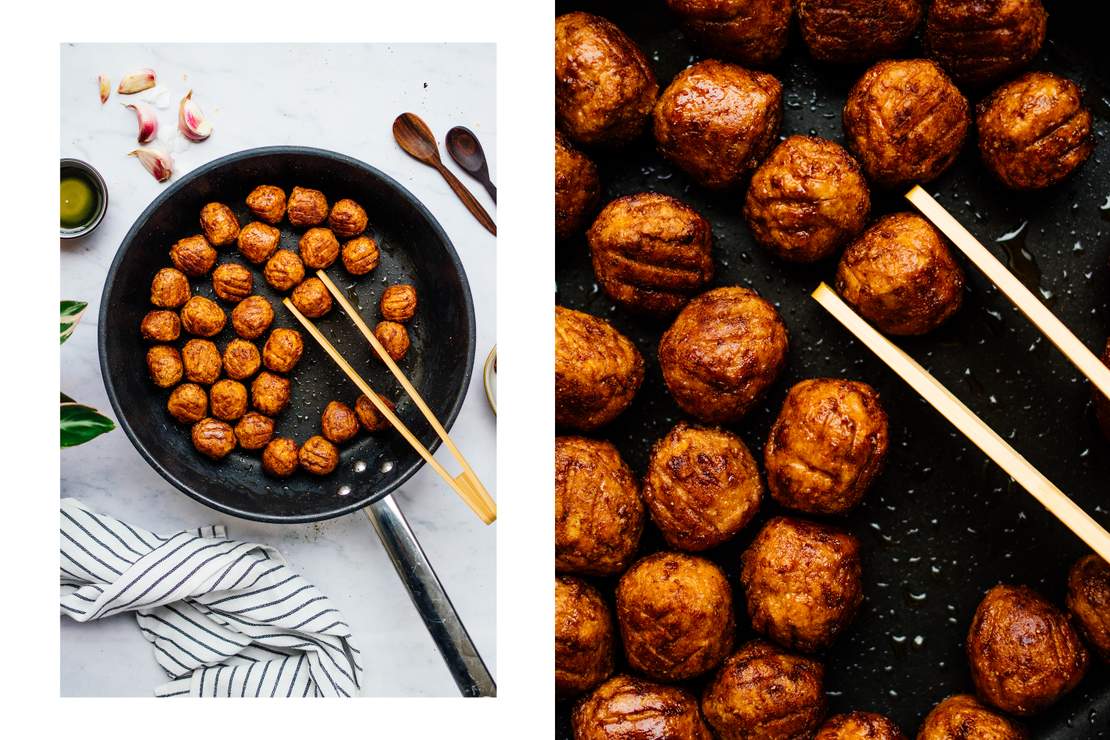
(336,97)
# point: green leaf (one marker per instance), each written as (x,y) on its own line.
(71,314)
(81,423)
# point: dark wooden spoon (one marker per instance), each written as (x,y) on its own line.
(414,136)
(466,150)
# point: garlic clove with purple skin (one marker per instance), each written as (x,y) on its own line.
(137,81)
(156,161)
(148,121)
(191,120)
(105,88)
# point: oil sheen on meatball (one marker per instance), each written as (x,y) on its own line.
(859,726)
(979,41)
(267,203)
(750,32)
(848,31)
(219,224)
(202,317)
(962,716)
(577,188)
(1089,601)
(630,708)
(597,370)
(583,637)
(193,255)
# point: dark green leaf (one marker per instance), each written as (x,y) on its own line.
(71,314)
(82,423)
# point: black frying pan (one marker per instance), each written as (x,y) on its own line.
(415,250)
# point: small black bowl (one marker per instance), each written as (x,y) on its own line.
(101,189)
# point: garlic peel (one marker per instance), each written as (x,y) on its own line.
(105,88)
(148,121)
(191,120)
(137,81)
(157,162)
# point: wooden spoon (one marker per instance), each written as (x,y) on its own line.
(466,150)
(414,136)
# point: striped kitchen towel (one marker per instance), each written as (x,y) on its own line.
(226,618)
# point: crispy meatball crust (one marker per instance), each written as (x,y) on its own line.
(169,289)
(901,276)
(1089,601)
(598,512)
(722,353)
(318,456)
(394,338)
(859,726)
(651,252)
(746,31)
(283,350)
(905,121)
(597,370)
(284,271)
(1034,131)
(583,637)
(577,188)
(193,255)
(802,582)
(398,303)
(604,85)
(267,203)
(312,298)
(219,224)
(1023,651)
(338,422)
(846,31)
(984,40)
(270,393)
(675,616)
(188,403)
(202,361)
(1102,403)
(827,446)
(252,317)
(319,248)
(228,399)
(161,326)
(962,716)
(254,431)
(202,317)
(306,207)
(241,359)
(716,121)
(629,708)
(360,255)
(280,458)
(213,438)
(807,200)
(232,282)
(371,419)
(347,219)
(164,365)
(763,692)
(702,486)
(257,241)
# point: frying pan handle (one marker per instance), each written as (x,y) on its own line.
(429,598)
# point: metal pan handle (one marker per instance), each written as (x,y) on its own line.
(429,598)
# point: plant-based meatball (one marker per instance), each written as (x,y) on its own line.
(583,637)
(371,419)
(846,31)
(164,365)
(213,438)
(306,207)
(161,326)
(232,282)
(746,31)
(169,289)
(905,121)
(338,422)
(716,121)
(280,458)
(360,255)
(312,298)
(604,86)
(807,200)
(859,726)
(202,361)
(802,582)
(283,350)
(347,219)
(762,691)
(722,353)
(1023,651)
(901,276)
(241,359)
(962,716)
(188,403)
(319,248)
(1089,601)
(252,317)
(702,486)
(629,708)
(978,42)
(228,399)
(675,616)
(598,512)
(284,271)
(597,370)
(270,393)
(1102,403)
(826,446)
(219,224)
(193,255)
(201,317)
(318,456)
(651,252)
(1034,131)
(257,241)
(254,431)
(394,338)
(398,302)
(577,188)
(267,203)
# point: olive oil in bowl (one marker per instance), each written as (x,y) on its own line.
(84,197)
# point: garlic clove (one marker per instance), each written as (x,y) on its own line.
(148,121)
(156,161)
(191,120)
(137,81)
(105,88)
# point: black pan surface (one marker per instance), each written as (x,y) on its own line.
(942,524)
(414,250)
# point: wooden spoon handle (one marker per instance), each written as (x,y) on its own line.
(468,199)
(490,187)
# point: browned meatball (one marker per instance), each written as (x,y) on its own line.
(270,393)
(716,121)
(347,219)
(254,431)
(747,31)
(1102,403)
(962,717)
(722,353)
(228,399)
(312,298)
(257,241)
(319,248)
(651,252)
(161,326)
(188,403)
(1023,651)
(213,438)
(241,359)
(267,202)
(598,512)
(859,726)
(702,486)
(202,361)
(306,207)
(802,582)
(597,370)
(280,458)
(762,691)
(252,317)
(1034,131)
(360,255)
(807,200)
(232,282)
(843,31)
(577,188)
(900,276)
(284,270)
(338,422)
(169,289)
(981,41)
(628,708)
(219,224)
(201,317)
(675,616)
(583,637)
(318,456)
(394,338)
(398,302)
(906,122)
(164,365)
(283,350)
(826,446)
(368,415)
(1089,601)
(604,86)
(193,255)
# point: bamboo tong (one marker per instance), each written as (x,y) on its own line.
(466,484)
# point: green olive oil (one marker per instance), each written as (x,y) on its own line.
(79,200)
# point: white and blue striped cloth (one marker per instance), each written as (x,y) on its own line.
(226,618)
